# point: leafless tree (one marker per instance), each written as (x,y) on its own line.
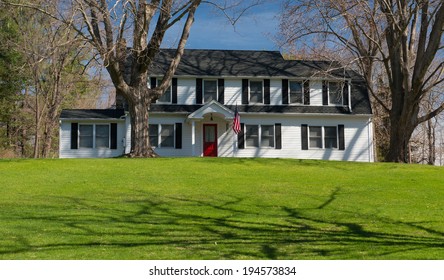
(55,57)
(402,40)
(133,30)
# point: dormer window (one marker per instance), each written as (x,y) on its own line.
(210,90)
(296,92)
(335,95)
(256,92)
(166,96)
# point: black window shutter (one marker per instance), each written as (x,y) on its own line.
(178,135)
(307,92)
(244,91)
(345,94)
(199,96)
(304,136)
(174,91)
(341,136)
(221,89)
(113,136)
(324,93)
(74,135)
(241,138)
(278,135)
(153,82)
(284,91)
(266,91)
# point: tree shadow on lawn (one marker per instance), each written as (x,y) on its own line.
(234,228)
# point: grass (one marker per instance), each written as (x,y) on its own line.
(224,208)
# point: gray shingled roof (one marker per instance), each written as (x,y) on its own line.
(92,114)
(239,63)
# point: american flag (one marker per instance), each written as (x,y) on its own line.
(236,122)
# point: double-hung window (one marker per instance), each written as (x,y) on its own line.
(166,96)
(259,135)
(335,93)
(315,137)
(102,136)
(330,137)
(323,137)
(252,135)
(295,92)
(256,92)
(86,136)
(162,135)
(267,135)
(94,136)
(209,90)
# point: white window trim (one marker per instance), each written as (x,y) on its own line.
(94,136)
(302,93)
(249,91)
(158,101)
(159,135)
(260,137)
(203,89)
(337,137)
(341,83)
(323,137)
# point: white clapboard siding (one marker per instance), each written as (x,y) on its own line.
(233,91)
(357,132)
(65,150)
(315,93)
(275,92)
(186,91)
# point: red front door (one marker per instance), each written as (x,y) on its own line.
(210,140)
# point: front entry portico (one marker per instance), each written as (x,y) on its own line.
(209,130)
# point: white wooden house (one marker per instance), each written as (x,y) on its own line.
(287,108)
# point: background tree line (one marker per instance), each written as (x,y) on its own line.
(398,48)
(44,67)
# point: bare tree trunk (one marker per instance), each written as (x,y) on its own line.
(139,110)
(37,127)
(431,159)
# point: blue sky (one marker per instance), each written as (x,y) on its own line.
(211,30)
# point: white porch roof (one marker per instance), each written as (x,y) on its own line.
(213,107)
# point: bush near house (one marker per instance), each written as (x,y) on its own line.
(220,208)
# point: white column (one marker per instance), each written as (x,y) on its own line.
(193,138)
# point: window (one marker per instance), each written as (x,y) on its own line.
(315,137)
(330,137)
(267,136)
(264,133)
(252,135)
(86,134)
(166,96)
(210,90)
(94,136)
(335,93)
(295,92)
(162,135)
(323,137)
(167,136)
(256,92)
(102,136)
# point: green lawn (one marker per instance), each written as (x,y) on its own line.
(224,208)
